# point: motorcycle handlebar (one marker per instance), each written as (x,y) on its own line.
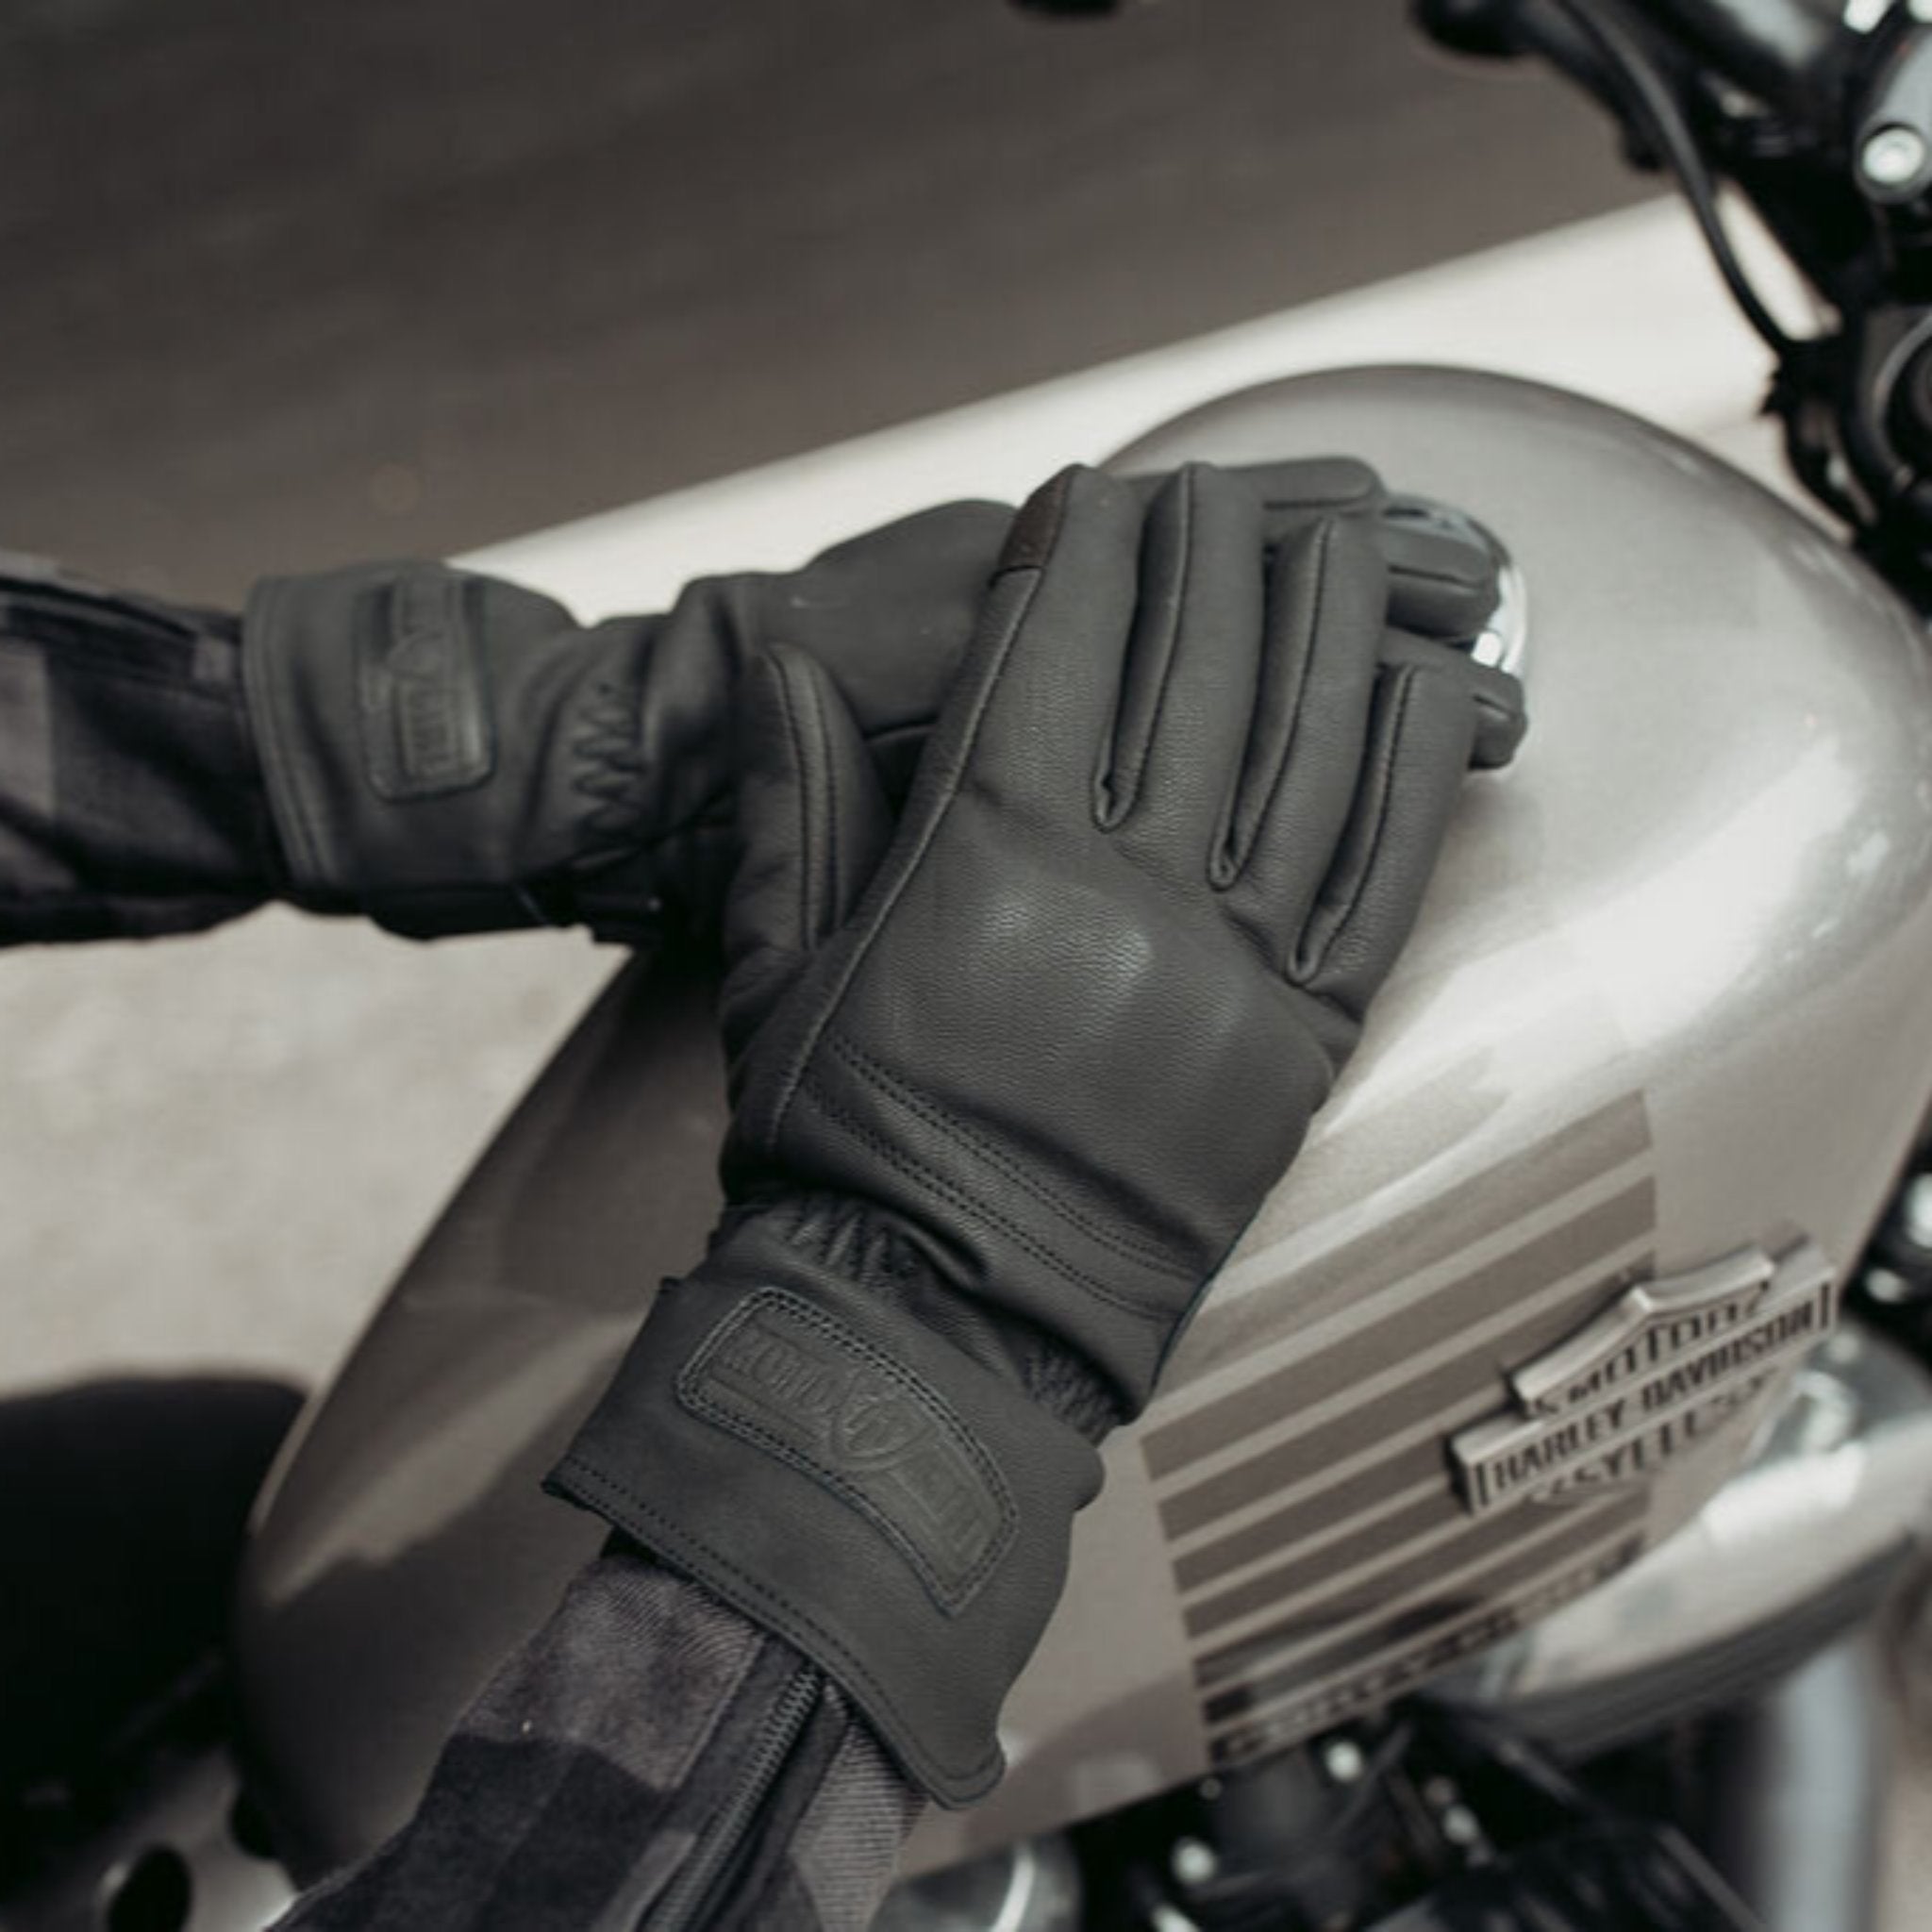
(1775,48)
(1772,47)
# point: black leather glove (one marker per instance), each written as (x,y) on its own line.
(449,753)
(1006,1097)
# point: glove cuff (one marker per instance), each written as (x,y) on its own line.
(847,1478)
(445,753)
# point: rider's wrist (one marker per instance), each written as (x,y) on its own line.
(842,1474)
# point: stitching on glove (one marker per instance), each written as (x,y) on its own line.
(610,767)
(1112,806)
(424,719)
(1235,847)
(808,925)
(970,1780)
(949,1124)
(832,898)
(884,909)
(950,1597)
(1331,921)
(917,1171)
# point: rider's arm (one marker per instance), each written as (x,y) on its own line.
(131,801)
(580,1789)
(448,752)
(435,749)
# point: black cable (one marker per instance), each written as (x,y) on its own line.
(1664,124)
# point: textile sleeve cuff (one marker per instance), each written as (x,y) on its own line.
(844,1477)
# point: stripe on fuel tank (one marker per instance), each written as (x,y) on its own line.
(1388,1665)
(1338,1462)
(1586,1257)
(1374,1273)
(1382,1556)
(1322,1555)
(1357,1503)
(1279,1661)
(1398,1574)
(1382,1262)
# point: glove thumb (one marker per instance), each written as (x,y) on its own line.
(812,824)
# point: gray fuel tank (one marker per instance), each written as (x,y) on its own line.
(1634,1098)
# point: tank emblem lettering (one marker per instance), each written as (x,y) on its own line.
(1670,1362)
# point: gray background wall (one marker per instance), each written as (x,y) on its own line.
(289,284)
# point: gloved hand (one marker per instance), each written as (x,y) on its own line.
(1006,1096)
(449,753)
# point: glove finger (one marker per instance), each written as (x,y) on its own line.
(812,824)
(1500,718)
(890,614)
(1442,585)
(1291,799)
(1442,577)
(1304,489)
(1037,686)
(1293,490)
(1421,733)
(1188,679)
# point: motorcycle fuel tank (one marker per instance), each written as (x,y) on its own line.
(1630,1107)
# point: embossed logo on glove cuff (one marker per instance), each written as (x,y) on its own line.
(784,1376)
(420,696)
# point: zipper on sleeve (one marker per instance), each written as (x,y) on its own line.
(718,1853)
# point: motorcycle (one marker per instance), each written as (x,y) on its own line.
(1501,1547)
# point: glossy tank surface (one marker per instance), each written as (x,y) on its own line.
(1664,1020)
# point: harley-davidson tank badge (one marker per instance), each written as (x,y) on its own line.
(1666,1364)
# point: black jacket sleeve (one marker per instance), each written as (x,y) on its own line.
(131,801)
